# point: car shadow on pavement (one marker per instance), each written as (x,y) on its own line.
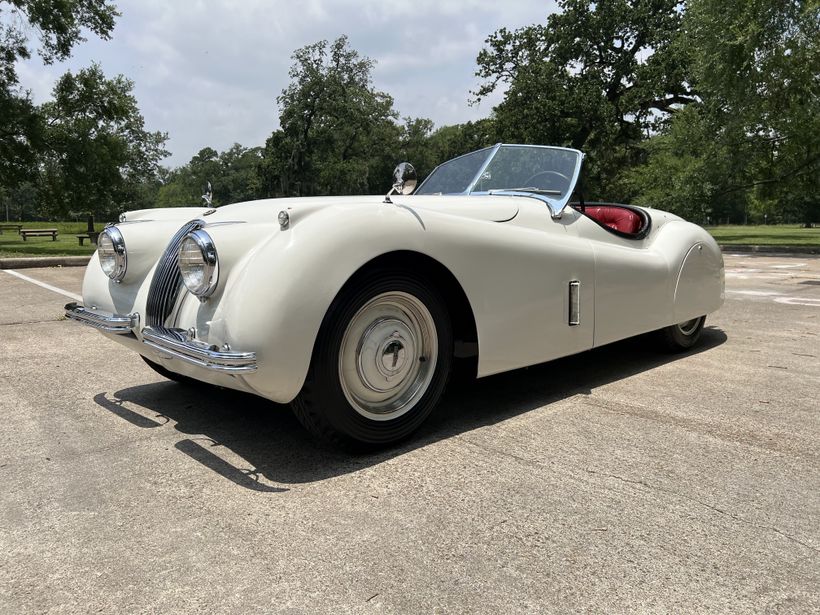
(251,441)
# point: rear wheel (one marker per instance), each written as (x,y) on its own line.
(380,364)
(682,336)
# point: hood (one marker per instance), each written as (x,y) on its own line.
(487,208)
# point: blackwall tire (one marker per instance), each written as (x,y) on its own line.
(381,362)
(682,336)
(168,374)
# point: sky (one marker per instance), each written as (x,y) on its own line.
(208,72)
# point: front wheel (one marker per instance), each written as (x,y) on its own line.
(381,362)
(166,373)
(682,336)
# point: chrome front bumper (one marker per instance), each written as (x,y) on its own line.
(199,353)
(168,342)
(105,321)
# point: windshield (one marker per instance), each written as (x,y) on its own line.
(455,176)
(547,171)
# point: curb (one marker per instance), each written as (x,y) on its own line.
(770,249)
(44,261)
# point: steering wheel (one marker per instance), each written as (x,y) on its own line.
(532,179)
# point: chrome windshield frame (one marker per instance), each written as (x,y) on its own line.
(484,166)
(556,206)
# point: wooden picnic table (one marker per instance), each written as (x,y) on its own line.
(10,227)
(39,232)
(92,235)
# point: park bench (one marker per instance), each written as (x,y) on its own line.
(39,232)
(90,235)
(10,227)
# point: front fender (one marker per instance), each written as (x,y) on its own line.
(278,296)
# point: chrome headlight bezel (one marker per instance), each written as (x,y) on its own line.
(210,264)
(117,253)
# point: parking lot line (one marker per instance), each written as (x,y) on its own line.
(43,284)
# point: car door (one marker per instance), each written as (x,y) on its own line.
(631,281)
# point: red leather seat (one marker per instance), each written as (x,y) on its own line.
(618,218)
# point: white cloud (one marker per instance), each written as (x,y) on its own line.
(208,72)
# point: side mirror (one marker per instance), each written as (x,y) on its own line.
(404,178)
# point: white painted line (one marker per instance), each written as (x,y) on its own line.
(810,301)
(755,276)
(43,285)
(755,293)
(790,266)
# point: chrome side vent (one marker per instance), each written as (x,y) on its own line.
(167,280)
(574,303)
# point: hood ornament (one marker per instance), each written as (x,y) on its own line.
(208,196)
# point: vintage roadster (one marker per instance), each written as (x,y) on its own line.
(354,309)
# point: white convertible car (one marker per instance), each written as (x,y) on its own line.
(354,309)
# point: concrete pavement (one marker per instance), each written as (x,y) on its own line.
(618,480)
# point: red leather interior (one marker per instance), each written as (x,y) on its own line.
(618,218)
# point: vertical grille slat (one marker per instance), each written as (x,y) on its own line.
(167,280)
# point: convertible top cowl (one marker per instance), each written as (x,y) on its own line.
(488,208)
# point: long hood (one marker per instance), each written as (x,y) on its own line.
(487,208)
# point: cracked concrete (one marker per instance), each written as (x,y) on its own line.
(706,505)
(620,480)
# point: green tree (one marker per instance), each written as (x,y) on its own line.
(751,140)
(240,178)
(679,177)
(450,141)
(598,76)
(233,175)
(99,155)
(337,130)
(59,25)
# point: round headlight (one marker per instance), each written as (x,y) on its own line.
(199,263)
(111,250)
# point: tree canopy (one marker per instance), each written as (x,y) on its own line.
(98,155)
(233,175)
(87,148)
(335,127)
(707,107)
(748,147)
(597,77)
(59,25)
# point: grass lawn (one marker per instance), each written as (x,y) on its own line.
(766,235)
(12,244)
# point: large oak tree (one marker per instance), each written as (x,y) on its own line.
(597,76)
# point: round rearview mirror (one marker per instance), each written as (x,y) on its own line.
(404,178)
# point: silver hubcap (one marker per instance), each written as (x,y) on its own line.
(388,356)
(688,327)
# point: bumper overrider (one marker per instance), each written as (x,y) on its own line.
(169,342)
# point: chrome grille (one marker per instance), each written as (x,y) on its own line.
(165,285)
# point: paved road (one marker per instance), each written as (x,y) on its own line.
(618,480)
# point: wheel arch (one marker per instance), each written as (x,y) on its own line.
(465,331)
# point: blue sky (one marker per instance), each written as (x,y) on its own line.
(208,72)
